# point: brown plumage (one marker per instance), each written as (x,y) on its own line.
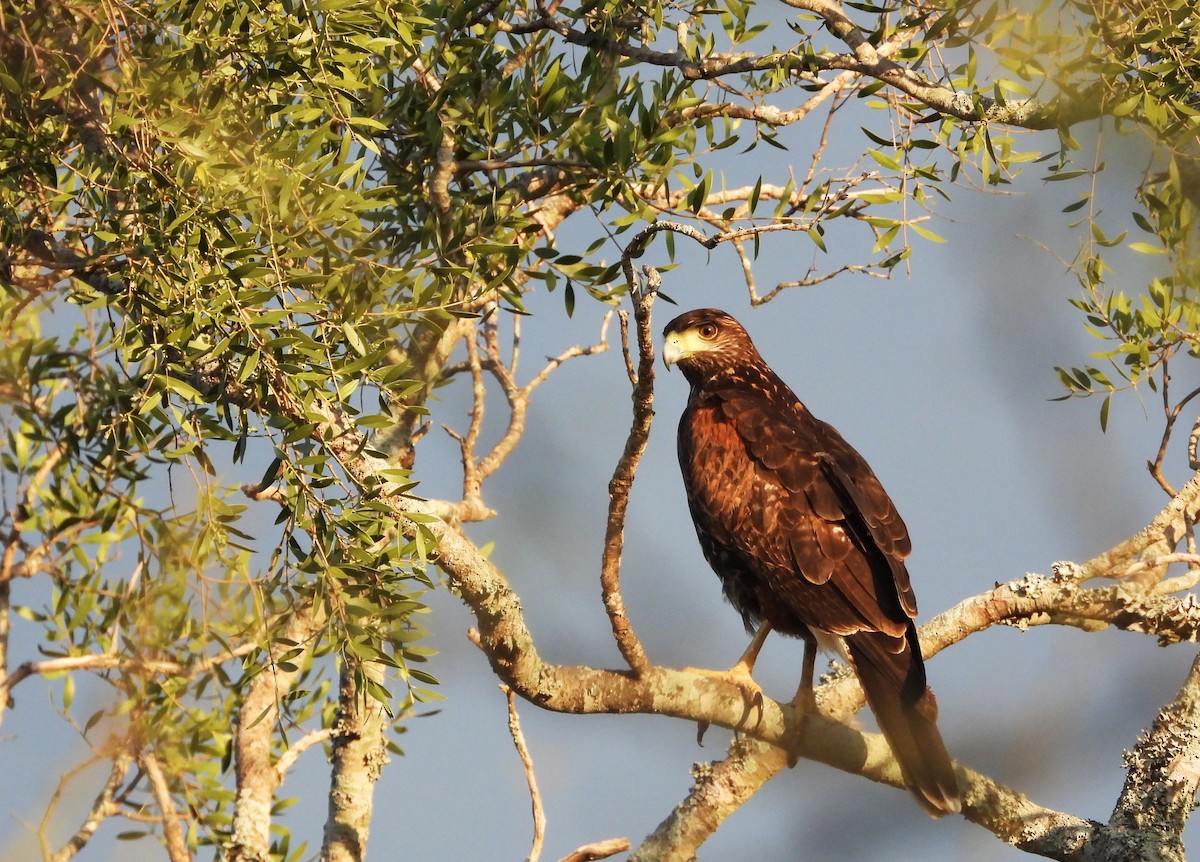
(802,534)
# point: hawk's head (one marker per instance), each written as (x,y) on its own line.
(706,343)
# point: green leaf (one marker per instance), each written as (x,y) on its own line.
(928,234)
(755,193)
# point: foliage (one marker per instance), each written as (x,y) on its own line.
(266,233)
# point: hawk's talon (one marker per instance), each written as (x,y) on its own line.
(752,693)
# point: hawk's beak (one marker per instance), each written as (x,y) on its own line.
(672,350)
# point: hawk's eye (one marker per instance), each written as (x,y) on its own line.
(708,331)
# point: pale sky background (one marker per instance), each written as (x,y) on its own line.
(943,380)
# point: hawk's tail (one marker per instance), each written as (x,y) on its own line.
(892,674)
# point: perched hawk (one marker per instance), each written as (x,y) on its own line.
(803,536)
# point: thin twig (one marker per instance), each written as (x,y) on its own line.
(535,797)
(472,476)
(477,469)
(623,317)
(1172,414)
(55,797)
(1155,466)
(103,807)
(597,850)
(1159,561)
(622,479)
(104,661)
(314,737)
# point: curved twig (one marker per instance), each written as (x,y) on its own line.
(622,479)
(535,796)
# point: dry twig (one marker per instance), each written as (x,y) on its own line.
(103,807)
(535,797)
(597,850)
(621,482)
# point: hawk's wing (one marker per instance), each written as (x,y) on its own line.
(785,492)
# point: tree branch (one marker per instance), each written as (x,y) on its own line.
(535,797)
(106,661)
(864,60)
(256,776)
(477,469)
(1163,774)
(622,479)
(1159,537)
(359,754)
(173,837)
(102,808)
(314,737)
(597,850)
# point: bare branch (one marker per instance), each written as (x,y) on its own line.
(719,790)
(518,397)
(173,837)
(597,850)
(629,369)
(535,797)
(554,362)
(1171,415)
(314,737)
(621,482)
(473,507)
(103,807)
(476,470)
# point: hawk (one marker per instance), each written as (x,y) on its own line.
(803,537)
